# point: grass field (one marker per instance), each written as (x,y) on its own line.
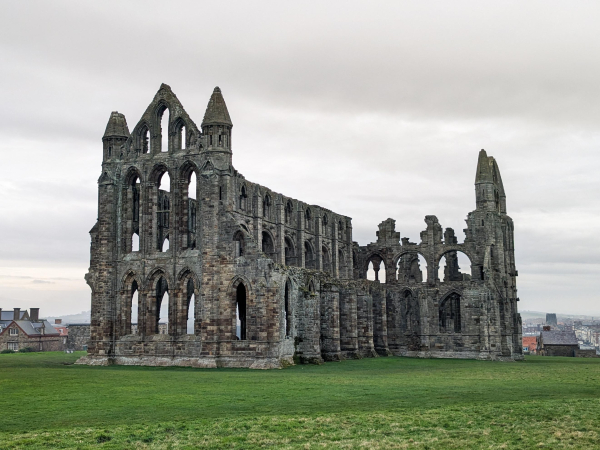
(46,402)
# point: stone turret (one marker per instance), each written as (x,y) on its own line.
(115,135)
(217,124)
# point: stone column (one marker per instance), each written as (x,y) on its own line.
(348,323)
(330,324)
(380,321)
(364,324)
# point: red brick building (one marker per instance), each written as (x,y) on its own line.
(530,344)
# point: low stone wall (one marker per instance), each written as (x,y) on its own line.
(79,336)
(586,353)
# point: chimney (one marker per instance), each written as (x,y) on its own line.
(17,314)
(57,321)
(34,314)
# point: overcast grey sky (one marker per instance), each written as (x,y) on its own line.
(373,109)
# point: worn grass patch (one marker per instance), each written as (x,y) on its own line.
(370,403)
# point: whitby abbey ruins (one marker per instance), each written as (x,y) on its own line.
(247,277)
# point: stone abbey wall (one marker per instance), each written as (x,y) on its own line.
(270,279)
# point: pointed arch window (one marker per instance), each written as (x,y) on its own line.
(309,256)
(164,118)
(267,207)
(240,312)
(243,201)
(308,219)
(288,212)
(267,244)
(238,239)
(449,314)
(160,308)
(326,259)
(290,254)
(190,307)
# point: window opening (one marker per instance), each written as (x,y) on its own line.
(182,138)
(267,207)
(134,308)
(450,313)
(308,217)
(164,130)
(376,270)
(145,140)
(326,258)
(267,244)
(165,182)
(240,312)
(309,256)
(412,268)
(163,211)
(239,244)
(288,212)
(190,307)
(290,257)
(135,242)
(243,198)
(161,307)
(165,245)
(454,266)
(192,186)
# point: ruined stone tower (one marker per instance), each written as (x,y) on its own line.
(257,279)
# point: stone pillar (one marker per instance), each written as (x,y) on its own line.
(309,327)
(300,228)
(318,242)
(364,324)
(348,323)
(380,321)
(335,263)
(280,221)
(330,320)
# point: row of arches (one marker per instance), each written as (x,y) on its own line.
(404,315)
(156,198)
(453,265)
(267,212)
(309,259)
(160,306)
(168,307)
(164,132)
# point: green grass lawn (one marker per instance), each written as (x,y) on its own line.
(46,402)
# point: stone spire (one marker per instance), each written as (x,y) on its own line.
(116,126)
(216,111)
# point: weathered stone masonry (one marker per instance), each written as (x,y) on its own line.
(274,280)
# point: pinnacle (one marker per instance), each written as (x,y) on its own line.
(216,110)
